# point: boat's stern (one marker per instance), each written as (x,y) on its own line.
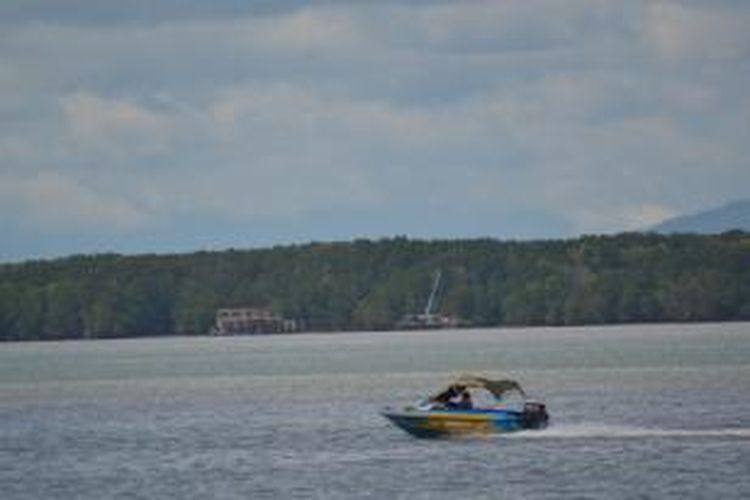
(535,415)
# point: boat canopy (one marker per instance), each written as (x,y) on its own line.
(498,388)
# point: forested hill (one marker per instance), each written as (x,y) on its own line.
(372,284)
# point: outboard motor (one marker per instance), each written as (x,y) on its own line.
(535,415)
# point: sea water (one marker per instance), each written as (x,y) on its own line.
(658,411)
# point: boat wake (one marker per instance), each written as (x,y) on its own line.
(606,431)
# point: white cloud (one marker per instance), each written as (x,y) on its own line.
(277,189)
(52,200)
(309,31)
(511,24)
(295,115)
(115,126)
(646,215)
(604,113)
(621,216)
(681,32)
(598,146)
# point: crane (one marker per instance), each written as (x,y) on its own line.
(428,318)
(433,294)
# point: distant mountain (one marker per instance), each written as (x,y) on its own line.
(733,215)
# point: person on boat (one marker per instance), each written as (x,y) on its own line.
(465,402)
(449,397)
(461,400)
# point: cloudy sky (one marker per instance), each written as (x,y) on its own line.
(166,125)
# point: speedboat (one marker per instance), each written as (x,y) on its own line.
(453,413)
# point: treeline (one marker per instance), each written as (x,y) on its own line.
(370,285)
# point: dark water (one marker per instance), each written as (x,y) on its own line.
(638,412)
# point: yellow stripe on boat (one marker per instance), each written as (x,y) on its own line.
(459,424)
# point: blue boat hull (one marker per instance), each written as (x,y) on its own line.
(448,423)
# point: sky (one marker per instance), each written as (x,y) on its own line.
(175,126)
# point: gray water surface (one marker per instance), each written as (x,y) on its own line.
(637,412)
